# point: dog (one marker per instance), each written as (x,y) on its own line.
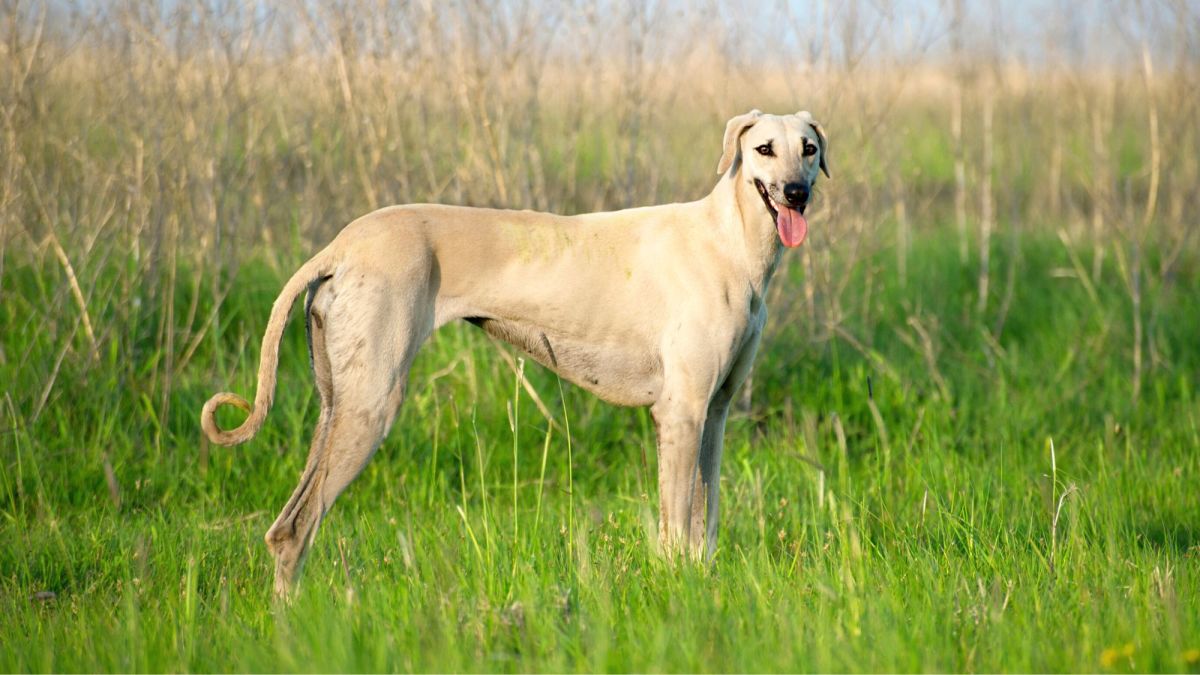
(659,306)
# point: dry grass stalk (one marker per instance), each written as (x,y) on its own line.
(987,216)
(110,478)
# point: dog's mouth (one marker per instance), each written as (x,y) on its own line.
(790,223)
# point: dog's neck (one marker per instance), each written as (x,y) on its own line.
(740,210)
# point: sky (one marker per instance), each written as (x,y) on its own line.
(1081,32)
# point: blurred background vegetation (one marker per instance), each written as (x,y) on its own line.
(149,149)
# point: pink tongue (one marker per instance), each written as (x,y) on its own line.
(792,227)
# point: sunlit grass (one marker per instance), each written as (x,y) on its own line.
(454,550)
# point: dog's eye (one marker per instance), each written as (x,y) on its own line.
(809,149)
(765,150)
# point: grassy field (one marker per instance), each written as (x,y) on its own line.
(972,439)
(1009,511)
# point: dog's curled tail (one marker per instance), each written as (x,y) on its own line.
(267,364)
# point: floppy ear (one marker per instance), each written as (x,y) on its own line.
(734,129)
(825,145)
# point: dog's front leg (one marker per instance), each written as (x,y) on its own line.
(706,495)
(680,427)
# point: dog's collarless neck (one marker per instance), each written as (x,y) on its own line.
(739,208)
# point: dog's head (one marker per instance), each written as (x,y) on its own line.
(780,156)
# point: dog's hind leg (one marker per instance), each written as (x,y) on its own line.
(363,342)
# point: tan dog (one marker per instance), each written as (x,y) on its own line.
(659,306)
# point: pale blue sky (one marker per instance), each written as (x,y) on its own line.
(1081,31)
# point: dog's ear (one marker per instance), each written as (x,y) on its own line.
(821,140)
(824,143)
(734,129)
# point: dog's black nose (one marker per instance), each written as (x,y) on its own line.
(796,194)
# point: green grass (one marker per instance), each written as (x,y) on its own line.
(914,538)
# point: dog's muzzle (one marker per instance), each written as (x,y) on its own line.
(788,215)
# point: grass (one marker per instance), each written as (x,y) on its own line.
(878,514)
(918,481)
